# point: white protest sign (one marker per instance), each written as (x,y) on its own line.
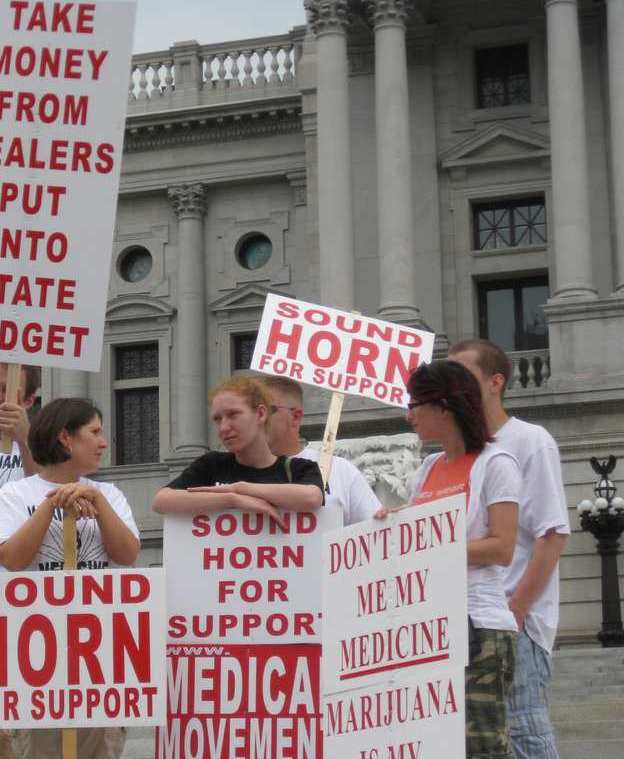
(395,633)
(339,351)
(82,648)
(244,609)
(63,95)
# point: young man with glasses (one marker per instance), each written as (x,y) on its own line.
(532,580)
(346,483)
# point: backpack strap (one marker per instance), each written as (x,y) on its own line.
(288,467)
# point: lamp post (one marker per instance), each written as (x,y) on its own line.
(604,518)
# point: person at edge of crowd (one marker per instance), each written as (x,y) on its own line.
(67,441)
(247,475)
(532,580)
(445,406)
(15,423)
(346,482)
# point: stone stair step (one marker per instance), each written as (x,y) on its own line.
(562,713)
(591,749)
(586,693)
(598,730)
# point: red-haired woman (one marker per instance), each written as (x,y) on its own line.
(445,406)
(247,475)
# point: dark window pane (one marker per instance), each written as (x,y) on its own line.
(500,318)
(509,223)
(503,76)
(534,330)
(242,350)
(137,425)
(136,361)
(511,313)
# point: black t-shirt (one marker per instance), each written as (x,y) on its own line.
(217,468)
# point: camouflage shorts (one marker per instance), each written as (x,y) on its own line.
(488,679)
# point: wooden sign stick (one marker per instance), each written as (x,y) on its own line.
(70,736)
(12,392)
(331,433)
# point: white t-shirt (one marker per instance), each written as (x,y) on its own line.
(349,486)
(11,466)
(542,508)
(18,501)
(494,478)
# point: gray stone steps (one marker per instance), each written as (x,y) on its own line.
(587,703)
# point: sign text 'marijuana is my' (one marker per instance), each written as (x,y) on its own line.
(339,351)
(63,94)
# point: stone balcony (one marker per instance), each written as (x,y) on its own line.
(209,85)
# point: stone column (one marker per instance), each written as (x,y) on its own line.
(328,20)
(394,166)
(568,141)
(615,35)
(191,345)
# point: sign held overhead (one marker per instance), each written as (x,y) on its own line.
(339,351)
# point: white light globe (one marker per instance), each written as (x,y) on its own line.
(601,504)
(618,503)
(584,506)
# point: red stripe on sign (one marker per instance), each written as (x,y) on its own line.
(398,665)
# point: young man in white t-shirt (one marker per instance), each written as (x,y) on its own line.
(346,483)
(532,580)
(14,422)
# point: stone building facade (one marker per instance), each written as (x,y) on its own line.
(453,164)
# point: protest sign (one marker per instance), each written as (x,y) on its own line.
(82,648)
(339,351)
(62,116)
(395,638)
(243,645)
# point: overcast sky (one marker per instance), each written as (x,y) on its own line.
(160,23)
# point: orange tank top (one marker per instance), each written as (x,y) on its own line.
(447,478)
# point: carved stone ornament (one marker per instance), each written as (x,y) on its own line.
(188,199)
(382,11)
(326,15)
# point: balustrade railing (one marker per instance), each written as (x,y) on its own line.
(247,66)
(530,369)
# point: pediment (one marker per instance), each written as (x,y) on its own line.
(130,307)
(499,143)
(244,298)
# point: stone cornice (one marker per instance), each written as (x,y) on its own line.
(188,200)
(197,128)
(327,15)
(382,12)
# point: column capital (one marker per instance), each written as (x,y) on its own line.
(327,15)
(394,12)
(188,200)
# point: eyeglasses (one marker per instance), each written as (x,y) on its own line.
(275,409)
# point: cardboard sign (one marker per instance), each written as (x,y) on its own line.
(62,118)
(395,635)
(339,351)
(243,645)
(82,648)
